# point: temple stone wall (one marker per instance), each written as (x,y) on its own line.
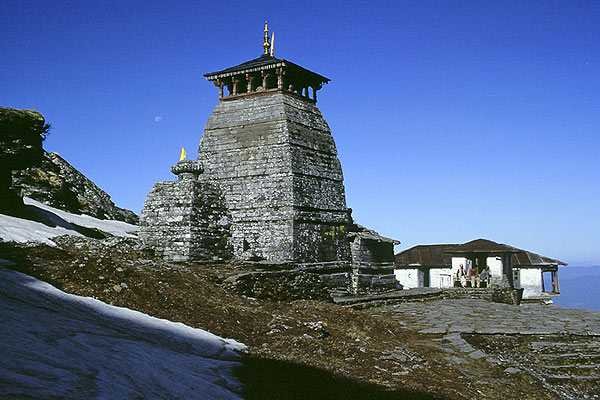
(267,185)
(372,264)
(275,161)
(186,220)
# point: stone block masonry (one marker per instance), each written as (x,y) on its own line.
(275,161)
(187,219)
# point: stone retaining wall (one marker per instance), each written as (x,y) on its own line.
(279,285)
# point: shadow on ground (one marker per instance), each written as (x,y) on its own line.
(280,380)
(50,219)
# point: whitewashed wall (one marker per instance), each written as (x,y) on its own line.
(409,278)
(496,267)
(530,279)
(440,277)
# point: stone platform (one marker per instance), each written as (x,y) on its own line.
(483,317)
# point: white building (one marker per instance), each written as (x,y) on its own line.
(440,266)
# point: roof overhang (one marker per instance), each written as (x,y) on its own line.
(266,64)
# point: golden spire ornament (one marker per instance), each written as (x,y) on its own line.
(182,154)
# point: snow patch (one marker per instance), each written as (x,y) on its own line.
(20,230)
(23,230)
(116,228)
(56,344)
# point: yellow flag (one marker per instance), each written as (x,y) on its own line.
(182,155)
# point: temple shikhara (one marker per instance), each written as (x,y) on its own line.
(268,184)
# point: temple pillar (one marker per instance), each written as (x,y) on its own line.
(264,80)
(220,86)
(315,94)
(235,86)
(249,80)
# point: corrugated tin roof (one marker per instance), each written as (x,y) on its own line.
(440,255)
(433,255)
(527,258)
(483,246)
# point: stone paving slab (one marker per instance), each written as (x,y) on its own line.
(388,297)
(482,317)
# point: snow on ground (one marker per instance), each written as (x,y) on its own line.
(57,345)
(20,230)
(23,230)
(116,228)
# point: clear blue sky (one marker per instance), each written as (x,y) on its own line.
(453,119)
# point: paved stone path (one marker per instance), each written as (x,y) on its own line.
(477,316)
(558,347)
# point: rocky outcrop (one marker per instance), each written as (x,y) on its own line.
(26,169)
(57,183)
(21,136)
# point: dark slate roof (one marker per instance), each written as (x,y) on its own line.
(439,255)
(264,61)
(257,62)
(432,255)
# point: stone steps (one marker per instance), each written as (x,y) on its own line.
(571,359)
(398,296)
(575,367)
(570,364)
(566,346)
(571,378)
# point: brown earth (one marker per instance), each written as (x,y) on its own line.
(297,349)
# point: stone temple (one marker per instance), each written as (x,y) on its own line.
(268,184)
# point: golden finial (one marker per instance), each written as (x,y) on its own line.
(266,44)
(182,154)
